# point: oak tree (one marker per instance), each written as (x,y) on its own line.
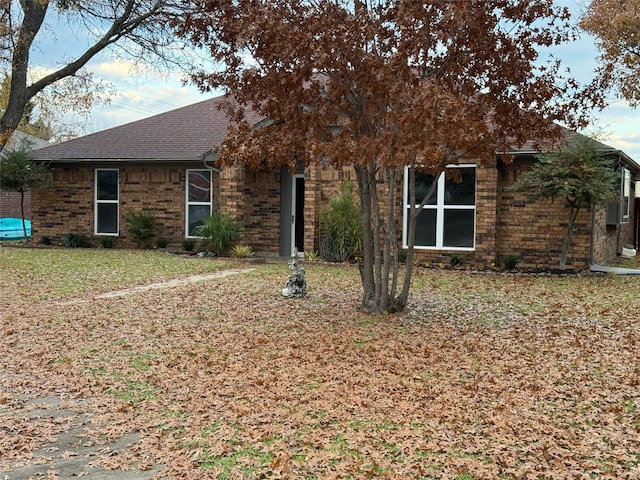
(616,26)
(379,85)
(141,30)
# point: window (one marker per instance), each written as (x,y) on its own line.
(198,198)
(447,221)
(619,211)
(106,202)
(625,196)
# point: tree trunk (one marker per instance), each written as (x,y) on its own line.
(380,249)
(380,288)
(566,243)
(35,11)
(379,271)
(366,267)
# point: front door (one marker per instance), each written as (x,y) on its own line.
(291,213)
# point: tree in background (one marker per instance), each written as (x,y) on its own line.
(38,126)
(378,85)
(616,25)
(140,28)
(18,173)
(580,173)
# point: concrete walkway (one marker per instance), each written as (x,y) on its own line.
(615,270)
(66,445)
(177,282)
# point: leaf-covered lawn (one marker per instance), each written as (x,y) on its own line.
(486,376)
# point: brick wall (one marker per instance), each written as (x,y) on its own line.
(69,207)
(260,213)
(505,223)
(534,232)
(10,205)
(610,239)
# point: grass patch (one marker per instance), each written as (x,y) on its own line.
(33,274)
(483,376)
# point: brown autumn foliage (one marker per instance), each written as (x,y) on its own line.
(485,376)
(381,85)
(616,26)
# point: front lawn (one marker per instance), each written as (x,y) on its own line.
(485,376)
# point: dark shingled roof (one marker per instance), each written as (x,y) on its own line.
(183,134)
(186,134)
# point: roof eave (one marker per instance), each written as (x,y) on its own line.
(121,160)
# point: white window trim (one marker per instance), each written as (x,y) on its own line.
(96,202)
(440,208)
(625,192)
(188,203)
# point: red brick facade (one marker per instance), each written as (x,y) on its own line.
(10,205)
(505,223)
(533,232)
(69,207)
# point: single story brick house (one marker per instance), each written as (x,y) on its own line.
(164,165)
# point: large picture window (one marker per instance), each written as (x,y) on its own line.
(199,201)
(447,220)
(106,202)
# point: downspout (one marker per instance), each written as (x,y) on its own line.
(213,170)
(621,193)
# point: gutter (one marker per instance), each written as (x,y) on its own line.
(209,158)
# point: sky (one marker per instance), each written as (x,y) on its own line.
(135,96)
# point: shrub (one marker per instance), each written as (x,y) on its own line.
(106,242)
(242,251)
(456,260)
(162,243)
(45,240)
(141,225)
(341,226)
(76,240)
(219,231)
(188,245)
(311,256)
(510,262)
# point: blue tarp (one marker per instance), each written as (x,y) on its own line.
(11,228)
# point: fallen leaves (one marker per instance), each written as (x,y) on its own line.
(512,376)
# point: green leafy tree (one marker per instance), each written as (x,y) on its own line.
(580,173)
(18,173)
